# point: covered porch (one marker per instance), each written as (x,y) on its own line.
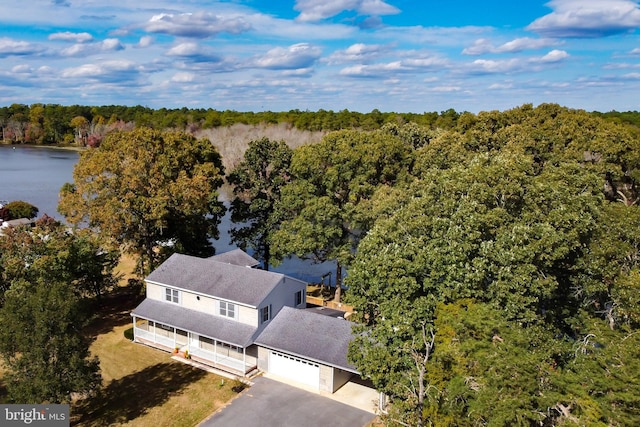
(219,343)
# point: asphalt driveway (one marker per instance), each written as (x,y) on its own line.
(270,403)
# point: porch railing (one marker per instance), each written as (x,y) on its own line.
(212,356)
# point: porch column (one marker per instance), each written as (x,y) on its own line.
(215,351)
(154,332)
(134,328)
(244,360)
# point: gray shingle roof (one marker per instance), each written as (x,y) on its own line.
(218,279)
(229,331)
(309,335)
(237,257)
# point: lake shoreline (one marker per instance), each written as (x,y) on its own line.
(55,147)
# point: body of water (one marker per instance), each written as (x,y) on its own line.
(36,174)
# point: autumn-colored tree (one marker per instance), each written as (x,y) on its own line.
(81,126)
(150,192)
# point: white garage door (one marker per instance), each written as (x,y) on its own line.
(299,370)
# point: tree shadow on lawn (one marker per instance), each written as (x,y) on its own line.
(132,396)
(113,310)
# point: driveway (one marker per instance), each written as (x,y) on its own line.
(271,403)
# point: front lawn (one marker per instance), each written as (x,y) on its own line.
(144,386)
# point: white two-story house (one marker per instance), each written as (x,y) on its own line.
(214,308)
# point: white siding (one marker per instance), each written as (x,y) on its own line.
(209,305)
(155,292)
(283,295)
(198,303)
(247,315)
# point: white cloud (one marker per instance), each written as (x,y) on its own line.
(301,55)
(620,66)
(512,65)
(10,47)
(101,69)
(183,77)
(45,69)
(445,89)
(145,41)
(377,7)
(359,52)
(298,72)
(483,46)
(412,65)
(21,69)
(497,66)
(317,10)
(197,25)
(193,53)
(588,18)
(432,36)
(86,49)
(71,37)
(184,49)
(635,51)
(553,56)
(268,26)
(501,86)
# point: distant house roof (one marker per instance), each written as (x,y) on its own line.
(219,328)
(17,222)
(211,277)
(14,223)
(309,335)
(237,257)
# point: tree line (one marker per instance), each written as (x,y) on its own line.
(87,125)
(493,262)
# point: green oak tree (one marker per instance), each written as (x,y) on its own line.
(322,206)
(41,344)
(51,251)
(48,275)
(257,182)
(150,192)
(496,230)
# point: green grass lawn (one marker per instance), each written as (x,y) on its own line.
(144,386)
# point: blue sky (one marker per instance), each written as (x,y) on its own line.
(255,55)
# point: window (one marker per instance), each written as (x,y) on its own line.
(265,313)
(172,295)
(298,298)
(227,309)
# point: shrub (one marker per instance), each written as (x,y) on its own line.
(128,334)
(238,386)
(19,209)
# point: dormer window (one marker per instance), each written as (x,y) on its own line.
(172,295)
(227,309)
(265,313)
(298,298)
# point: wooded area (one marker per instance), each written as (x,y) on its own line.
(88,125)
(492,258)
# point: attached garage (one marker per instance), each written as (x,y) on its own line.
(307,348)
(295,369)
